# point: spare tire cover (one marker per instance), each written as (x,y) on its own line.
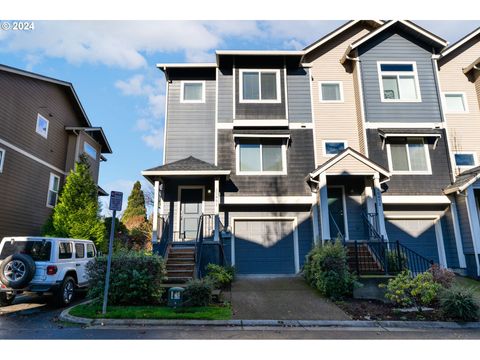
(17,270)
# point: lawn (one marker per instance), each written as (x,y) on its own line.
(153,312)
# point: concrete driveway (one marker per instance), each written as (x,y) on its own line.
(281,298)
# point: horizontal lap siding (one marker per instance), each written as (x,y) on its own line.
(298,90)
(464,223)
(225,95)
(449,240)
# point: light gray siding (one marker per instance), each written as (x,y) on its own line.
(298,94)
(190,127)
(394,46)
(225,95)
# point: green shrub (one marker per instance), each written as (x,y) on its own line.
(135,278)
(220,276)
(396,262)
(442,276)
(326,269)
(459,304)
(198,293)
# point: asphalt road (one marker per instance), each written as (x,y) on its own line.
(33,318)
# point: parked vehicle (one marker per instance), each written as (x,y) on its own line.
(44,265)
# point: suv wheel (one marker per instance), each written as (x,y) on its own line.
(6,299)
(64,294)
(17,270)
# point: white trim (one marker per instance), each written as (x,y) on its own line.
(410,172)
(473,65)
(185,172)
(403,125)
(465,167)
(39,132)
(178,204)
(344,204)
(285,86)
(324,212)
(155,212)
(216,117)
(281,136)
(53,176)
(460,43)
(397,74)
(293,125)
(2,159)
(415,199)
(261,172)
(234,90)
(293,219)
(458,235)
(225,126)
(410,135)
(261,123)
(464,100)
(182,93)
(473,220)
(163,66)
(23,152)
(320,92)
(324,146)
(166,121)
(278,100)
(245,200)
(315,218)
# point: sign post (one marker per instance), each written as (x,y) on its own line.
(116,198)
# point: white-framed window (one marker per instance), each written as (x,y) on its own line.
(334,147)
(261,157)
(53,188)
(90,150)
(330,91)
(42,126)
(259,86)
(2,159)
(409,156)
(192,91)
(455,102)
(398,81)
(465,159)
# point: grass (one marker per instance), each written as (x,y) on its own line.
(468,283)
(153,312)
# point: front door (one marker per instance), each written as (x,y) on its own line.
(190,210)
(336,212)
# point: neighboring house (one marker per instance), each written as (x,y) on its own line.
(43,131)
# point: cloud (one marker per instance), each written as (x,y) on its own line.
(154,138)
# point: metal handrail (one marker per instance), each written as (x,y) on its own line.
(339,232)
(165,238)
(372,231)
(199,243)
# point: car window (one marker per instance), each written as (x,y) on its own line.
(90,251)
(65,250)
(79,250)
(39,250)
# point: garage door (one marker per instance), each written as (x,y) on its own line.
(264,247)
(416,234)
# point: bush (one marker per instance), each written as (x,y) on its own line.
(444,277)
(198,293)
(396,262)
(326,269)
(135,278)
(220,276)
(459,304)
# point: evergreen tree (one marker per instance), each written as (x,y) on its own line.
(135,215)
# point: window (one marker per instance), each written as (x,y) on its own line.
(90,150)
(455,102)
(333,147)
(79,251)
(407,156)
(192,92)
(261,158)
(465,159)
(260,86)
(90,251)
(65,250)
(399,82)
(39,250)
(2,159)
(42,126)
(331,91)
(53,187)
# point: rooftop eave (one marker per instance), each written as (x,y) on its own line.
(108,149)
(164,66)
(473,66)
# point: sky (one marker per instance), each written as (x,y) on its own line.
(112,67)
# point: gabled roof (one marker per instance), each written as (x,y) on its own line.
(418,30)
(464,180)
(460,42)
(96,133)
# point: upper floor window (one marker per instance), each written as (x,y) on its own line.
(331,91)
(192,92)
(465,159)
(455,102)
(399,81)
(259,86)
(2,159)
(256,157)
(333,147)
(53,187)
(408,156)
(42,126)
(90,150)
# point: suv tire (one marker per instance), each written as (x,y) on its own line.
(6,299)
(17,270)
(63,296)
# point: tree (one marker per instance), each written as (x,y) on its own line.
(135,215)
(77,213)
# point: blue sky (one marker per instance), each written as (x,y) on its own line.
(112,67)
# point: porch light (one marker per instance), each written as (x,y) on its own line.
(209,191)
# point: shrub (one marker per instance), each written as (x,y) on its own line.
(220,276)
(459,304)
(326,269)
(444,277)
(198,293)
(135,278)
(396,262)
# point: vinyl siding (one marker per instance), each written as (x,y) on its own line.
(225,95)
(350,165)
(298,91)
(449,240)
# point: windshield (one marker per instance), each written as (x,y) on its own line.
(39,250)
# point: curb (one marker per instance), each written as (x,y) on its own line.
(65,316)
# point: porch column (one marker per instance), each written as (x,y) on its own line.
(216,194)
(377,190)
(155,212)
(369,198)
(474,219)
(324,215)
(315,223)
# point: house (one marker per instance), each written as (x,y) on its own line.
(275,151)
(44,130)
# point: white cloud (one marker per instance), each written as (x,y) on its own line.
(154,138)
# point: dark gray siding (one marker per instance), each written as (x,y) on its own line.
(449,240)
(414,184)
(298,91)
(464,223)
(225,95)
(190,127)
(392,46)
(300,162)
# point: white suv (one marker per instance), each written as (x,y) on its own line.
(43,265)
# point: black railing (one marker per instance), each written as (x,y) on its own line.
(371,223)
(164,242)
(339,235)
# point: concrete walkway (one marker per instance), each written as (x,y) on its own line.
(286,298)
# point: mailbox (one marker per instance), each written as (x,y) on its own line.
(175,296)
